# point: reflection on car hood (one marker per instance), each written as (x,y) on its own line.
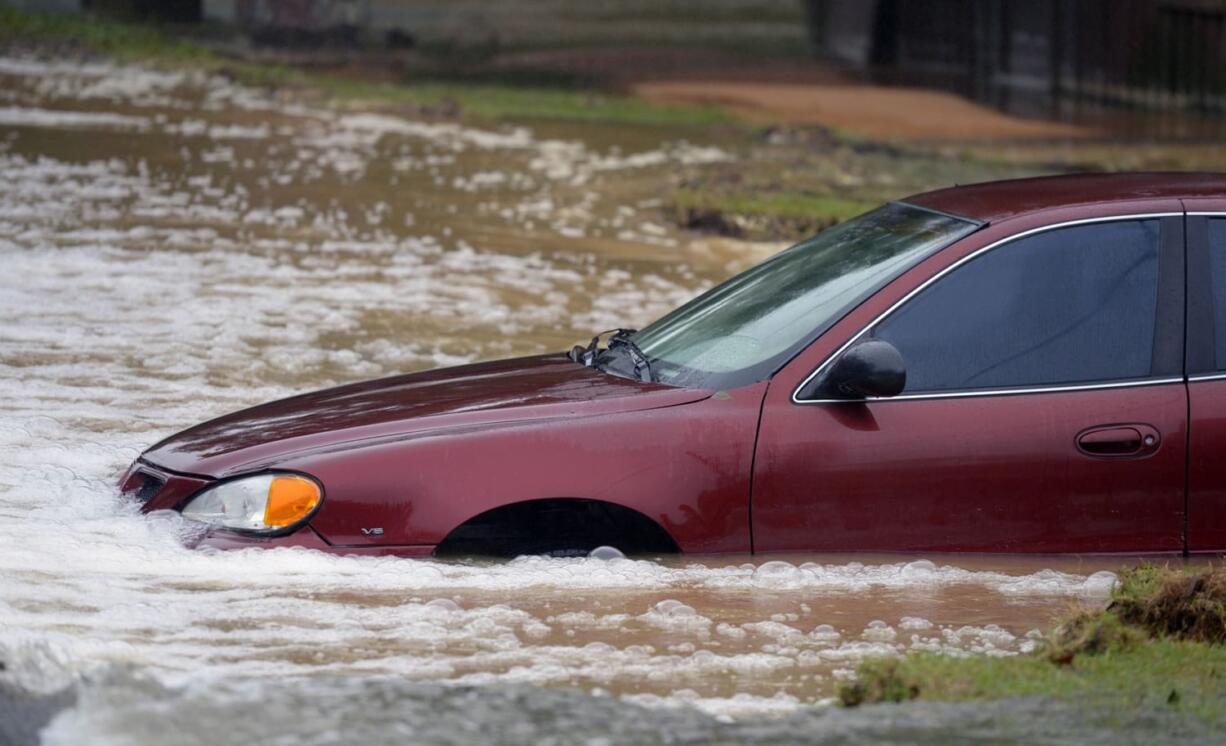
(472,395)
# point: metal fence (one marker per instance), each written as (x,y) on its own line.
(1158,55)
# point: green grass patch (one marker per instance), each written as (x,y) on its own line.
(1160,673)
(781,204)
(1159,643)
(123,41)
(765,215)
(510,101)
(129,42)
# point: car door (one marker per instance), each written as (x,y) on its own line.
(1207,375)
(1044,410)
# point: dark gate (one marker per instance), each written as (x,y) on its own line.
(1158,55)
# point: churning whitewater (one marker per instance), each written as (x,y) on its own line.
(175,246)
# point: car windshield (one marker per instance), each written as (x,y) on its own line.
(745,329)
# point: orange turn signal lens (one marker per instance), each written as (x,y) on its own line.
(290,499)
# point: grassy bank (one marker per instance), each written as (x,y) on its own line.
(1160,642)
(121,41)
(763,213)
(151,45)
(505,101)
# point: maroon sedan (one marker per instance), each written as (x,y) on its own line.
(1023,366)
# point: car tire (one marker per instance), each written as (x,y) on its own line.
(564,553)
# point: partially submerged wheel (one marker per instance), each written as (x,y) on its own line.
(558,527)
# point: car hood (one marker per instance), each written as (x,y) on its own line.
(544,387)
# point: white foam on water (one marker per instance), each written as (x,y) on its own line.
(740,705)
(20,116)
(93,81)
(450,135)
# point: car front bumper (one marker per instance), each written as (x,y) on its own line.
(159,489)
(307,538)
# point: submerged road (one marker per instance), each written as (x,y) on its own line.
(175,246)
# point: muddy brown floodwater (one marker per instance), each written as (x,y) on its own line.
(174,246)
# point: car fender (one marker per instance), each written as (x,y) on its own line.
(687,467)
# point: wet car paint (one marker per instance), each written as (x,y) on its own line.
(544,387)
(1206,516)
(415,457)
(995,473)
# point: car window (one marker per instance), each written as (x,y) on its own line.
(1065,306)
(744,329)
(1217,279)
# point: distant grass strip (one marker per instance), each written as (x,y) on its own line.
(762,214)
(123,41)
(128,42)
(782,204)
(1161,642)
(511,101)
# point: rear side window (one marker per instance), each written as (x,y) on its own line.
(1065,306)
(1217,276)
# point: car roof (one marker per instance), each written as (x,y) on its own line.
(997,200)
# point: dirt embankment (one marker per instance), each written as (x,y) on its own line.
(787,91)
(879,112)
(1159,644)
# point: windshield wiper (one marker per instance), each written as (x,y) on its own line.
(591,354)
(587,355)
(637,356)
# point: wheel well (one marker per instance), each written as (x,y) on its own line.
(557,525)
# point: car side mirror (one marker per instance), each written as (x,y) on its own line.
(869,369)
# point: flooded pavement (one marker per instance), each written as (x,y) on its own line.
(126,708)
(175,246)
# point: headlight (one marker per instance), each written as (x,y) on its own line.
(264,503)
